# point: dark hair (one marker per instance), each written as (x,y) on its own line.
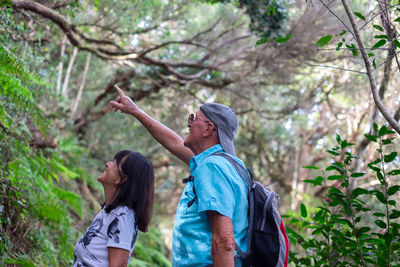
(137,192)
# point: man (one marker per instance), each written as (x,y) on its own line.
(212,212)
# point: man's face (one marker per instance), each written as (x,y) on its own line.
(197,123)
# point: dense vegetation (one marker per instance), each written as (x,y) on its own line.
(298,74)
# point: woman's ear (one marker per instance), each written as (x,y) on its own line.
(123,179)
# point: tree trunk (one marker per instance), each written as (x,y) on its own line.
(69,70)
(74,105)
(61,64)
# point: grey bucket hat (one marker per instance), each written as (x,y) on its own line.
(224,118)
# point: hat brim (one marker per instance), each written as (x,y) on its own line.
(226,143)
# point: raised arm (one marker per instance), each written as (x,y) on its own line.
(165,136)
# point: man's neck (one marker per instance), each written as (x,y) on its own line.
(202,148)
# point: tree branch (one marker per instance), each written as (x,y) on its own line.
(371,74)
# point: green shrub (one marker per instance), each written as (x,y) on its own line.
(354,225)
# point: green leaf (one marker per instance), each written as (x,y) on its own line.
(338,139)
(379,214)
(271,10)
(386,141)
(353,49)
(393,189)
(397,19)
(390,157)
(376,161)
(357,174)
(384,131)
(380,177)
(359,191)
(333,152)
(396,43)
(394,172)
(334,191)
(343,33)
(382,36)
(363,230)
(310,167)
(345,144)
(303,210)
(392,202)
(324,40)
(395,214)
(371,54)
(378,27)
(317,181)
(334,168)
(283,39)
(3,118)
(262,41)
(375,127)
(319,216)
(358,14)
(380,196)
(339,45)
(380,223)
(371,138)
(374,63)
(379,44)
(335,177)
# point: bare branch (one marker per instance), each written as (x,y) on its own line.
(371,74)
(333,13)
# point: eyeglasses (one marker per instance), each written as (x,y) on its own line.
(193,118)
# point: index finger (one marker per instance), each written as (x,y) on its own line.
(119,90)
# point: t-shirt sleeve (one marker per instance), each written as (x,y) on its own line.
(214,190)
(121,230)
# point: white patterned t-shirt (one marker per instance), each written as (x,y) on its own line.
(116,229)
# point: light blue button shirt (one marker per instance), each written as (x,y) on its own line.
(220,188)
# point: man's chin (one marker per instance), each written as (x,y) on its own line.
(186,142)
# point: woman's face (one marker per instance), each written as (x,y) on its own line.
(110,175)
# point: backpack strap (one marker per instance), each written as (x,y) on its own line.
(246,175)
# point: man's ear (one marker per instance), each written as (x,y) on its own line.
(209,130)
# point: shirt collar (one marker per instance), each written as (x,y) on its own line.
(195,160)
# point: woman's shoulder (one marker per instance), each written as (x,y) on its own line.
(122,211)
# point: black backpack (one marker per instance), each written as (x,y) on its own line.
(268,244)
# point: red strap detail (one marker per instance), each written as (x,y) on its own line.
(282,227)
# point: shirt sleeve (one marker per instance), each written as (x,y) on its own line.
(214,190)
(121,230)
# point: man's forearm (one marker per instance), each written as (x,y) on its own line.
(223,253)
(164,135)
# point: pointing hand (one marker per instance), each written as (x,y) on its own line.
(123,103)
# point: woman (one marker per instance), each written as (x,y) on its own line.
(128,183)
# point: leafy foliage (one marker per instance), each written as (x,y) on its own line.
(39,207)
(267,17)
(354,226)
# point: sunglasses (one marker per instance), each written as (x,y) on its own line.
(192,118)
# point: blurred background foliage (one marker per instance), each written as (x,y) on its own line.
(60,59)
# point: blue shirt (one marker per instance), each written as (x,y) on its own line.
(219,188)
